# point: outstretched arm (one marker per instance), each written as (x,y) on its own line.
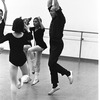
(4,38)
(5,8)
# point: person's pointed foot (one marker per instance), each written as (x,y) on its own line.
(53,90)
(35,81)
(70,77)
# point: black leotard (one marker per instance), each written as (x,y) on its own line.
(26,34)
(17,55)
(38,35)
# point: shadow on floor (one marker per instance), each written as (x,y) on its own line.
(85,86)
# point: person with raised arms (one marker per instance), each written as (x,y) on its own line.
(56,44)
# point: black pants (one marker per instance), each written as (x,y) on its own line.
(56,48)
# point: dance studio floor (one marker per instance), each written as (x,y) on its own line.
(84,87)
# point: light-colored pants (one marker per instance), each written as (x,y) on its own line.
(36,60)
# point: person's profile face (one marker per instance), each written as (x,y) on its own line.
(52,12)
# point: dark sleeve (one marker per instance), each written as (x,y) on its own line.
(2,26)
(28,35)
(3,22)
(31,29)
(4,38)
(60,14)
(42,32)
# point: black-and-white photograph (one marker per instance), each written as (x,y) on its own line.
(49,50)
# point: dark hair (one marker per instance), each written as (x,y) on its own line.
(18,25)
(1,10)
(37,18)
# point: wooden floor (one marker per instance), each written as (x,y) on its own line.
(84,87)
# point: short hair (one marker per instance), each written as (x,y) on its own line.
(18,25)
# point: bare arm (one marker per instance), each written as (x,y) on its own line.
(40,21)
(5,8)
(56,4)
(49,3)
(26,27)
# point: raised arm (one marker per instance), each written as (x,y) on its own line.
(53,3)
(5,8)
(49,3)
(40,21)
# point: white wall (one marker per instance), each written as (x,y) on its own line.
(71,44)
(80,14)
(89,48)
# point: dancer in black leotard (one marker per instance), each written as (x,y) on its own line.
(38,31)
(28,45)
(17,57)
(2,21)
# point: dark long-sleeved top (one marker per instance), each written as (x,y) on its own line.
(17,55)
(57,25)
(38,35)
(2,26)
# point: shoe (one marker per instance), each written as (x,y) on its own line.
(53,90)
(22,80)
(35,81)
(70,77)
